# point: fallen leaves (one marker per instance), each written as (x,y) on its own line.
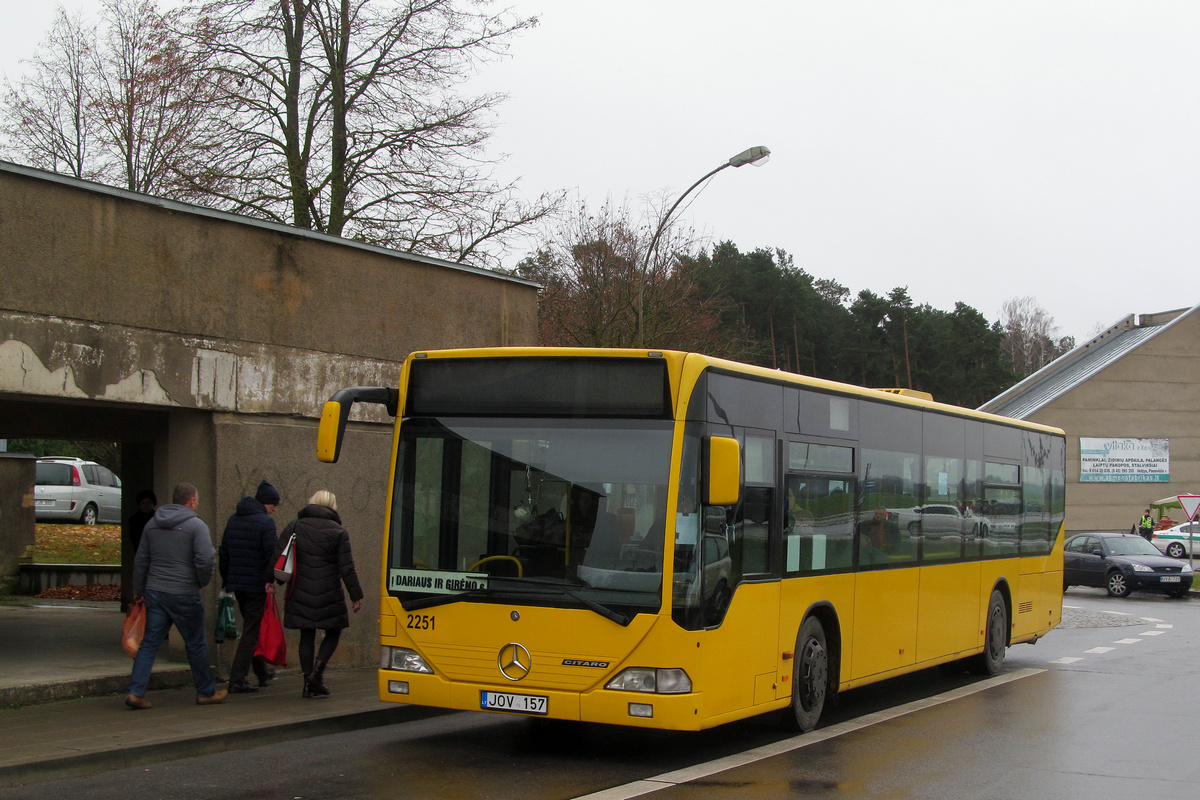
(77,544)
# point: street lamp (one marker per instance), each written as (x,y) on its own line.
(754,155)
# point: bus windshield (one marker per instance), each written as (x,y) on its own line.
(563,513)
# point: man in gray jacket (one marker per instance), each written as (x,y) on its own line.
(174,562)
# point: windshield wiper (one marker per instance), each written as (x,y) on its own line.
(599,608)
(446,599)
(441,599)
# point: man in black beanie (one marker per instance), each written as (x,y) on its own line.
(245,552)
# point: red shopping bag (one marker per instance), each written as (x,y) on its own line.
(134,628)
(272,647)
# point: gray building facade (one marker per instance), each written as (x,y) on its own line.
(1135,386)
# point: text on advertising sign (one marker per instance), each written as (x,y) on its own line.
(1124,460)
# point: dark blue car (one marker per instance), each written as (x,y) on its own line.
(1122,563)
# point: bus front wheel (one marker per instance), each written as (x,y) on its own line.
(810,675)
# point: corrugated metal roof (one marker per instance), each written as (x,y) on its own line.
(1072,369)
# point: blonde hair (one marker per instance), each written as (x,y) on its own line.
(324,497)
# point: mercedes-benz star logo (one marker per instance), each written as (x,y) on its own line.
(514,661)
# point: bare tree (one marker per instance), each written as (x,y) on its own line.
(46,120)
(119,101)
(346,119)
(154,102)
(591,266)
(1031,338)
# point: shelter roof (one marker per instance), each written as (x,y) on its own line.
(241,219)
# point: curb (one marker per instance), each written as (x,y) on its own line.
(31,694)
(211,744)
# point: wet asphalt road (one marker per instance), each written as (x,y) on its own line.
(1103,707)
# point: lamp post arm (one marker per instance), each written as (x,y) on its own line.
(662,224)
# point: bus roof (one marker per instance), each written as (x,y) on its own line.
(699,361)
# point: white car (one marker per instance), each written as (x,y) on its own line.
(1178,541)
(939,519)
(74,490)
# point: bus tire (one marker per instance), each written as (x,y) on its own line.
(810,675)
(995,640)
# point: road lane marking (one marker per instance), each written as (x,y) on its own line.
(1152,619)
(1165,626)
(1127,641)
(1099,650)
(1151,633)
(1066,660)
(699,771)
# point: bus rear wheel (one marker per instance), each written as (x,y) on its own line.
(995,640)
(810,675)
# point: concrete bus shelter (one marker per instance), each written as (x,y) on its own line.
(206,344)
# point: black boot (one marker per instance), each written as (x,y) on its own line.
(308,684)
(316,682)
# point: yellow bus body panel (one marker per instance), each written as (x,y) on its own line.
(946,614)
(885,621)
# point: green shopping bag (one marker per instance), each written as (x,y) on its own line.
(226,621)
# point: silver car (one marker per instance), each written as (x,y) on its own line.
(74,490)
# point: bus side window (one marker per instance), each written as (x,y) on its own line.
(819,518)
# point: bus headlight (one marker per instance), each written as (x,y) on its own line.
(405,660)
(654,681)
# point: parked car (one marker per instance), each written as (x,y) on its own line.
(1122,563)
(1178,541)
(74,490)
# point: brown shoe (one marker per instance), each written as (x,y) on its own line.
(137,703)
(217,698)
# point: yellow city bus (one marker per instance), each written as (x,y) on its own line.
(668,540)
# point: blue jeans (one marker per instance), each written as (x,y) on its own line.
(186,613)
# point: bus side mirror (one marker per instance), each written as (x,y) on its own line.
(337,411)
(722,471)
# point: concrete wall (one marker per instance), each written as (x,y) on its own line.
(207,343)
(131,261)
(1148,394)
(16,515)
(282,451)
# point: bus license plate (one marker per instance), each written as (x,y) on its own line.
(520,703)
(1170,579)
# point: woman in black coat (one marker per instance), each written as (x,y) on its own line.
(315,600)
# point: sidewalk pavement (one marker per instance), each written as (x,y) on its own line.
(62,689)
(48,741)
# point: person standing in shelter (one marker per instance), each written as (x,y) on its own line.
(147,502)
(245,554)
(1146,526)
(315,600)
(174,562)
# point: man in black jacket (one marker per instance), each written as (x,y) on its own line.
(245,554)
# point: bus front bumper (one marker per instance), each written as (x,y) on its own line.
(671,712)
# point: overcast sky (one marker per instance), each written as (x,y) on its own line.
(971,151)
